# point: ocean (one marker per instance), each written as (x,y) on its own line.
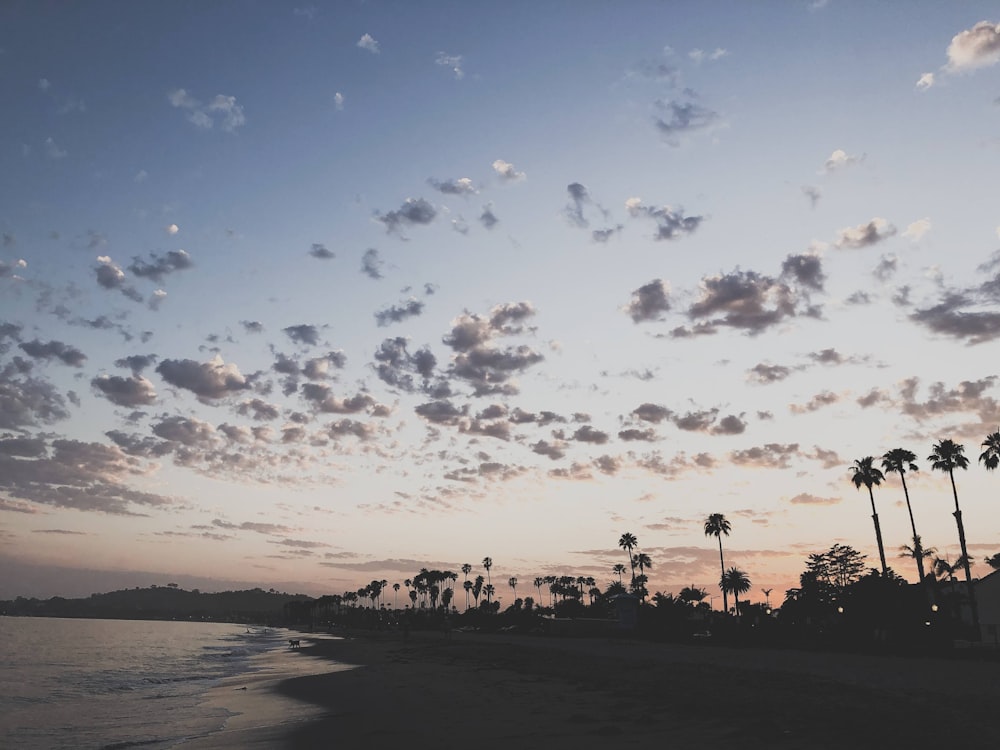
(116,684)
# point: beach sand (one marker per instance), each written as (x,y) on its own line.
(502,691)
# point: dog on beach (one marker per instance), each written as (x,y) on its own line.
(293,643)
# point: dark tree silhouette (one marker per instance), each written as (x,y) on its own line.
(716,525)
(898,461)
(863,472)
(948,456)
(990,458)
(736,582)
(628,542)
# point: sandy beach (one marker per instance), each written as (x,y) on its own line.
(493,691)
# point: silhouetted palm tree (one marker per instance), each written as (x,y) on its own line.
(948,456)
(716,525)
(642,560)
(628,542)
(865,473)
(917,550)
(767,597)
(898,460)
(538,585)
(990,458)
(395,592)
(467,585)
(512,582)
(737,582)
(487,564)
(619,569)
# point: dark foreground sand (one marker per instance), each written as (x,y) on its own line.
(514,691)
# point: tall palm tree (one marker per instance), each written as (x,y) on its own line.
(395,592)
(716,525)
(628,542)
(863,472)
(948,456)
(990,458)
(767,597)
(538,585)
(736,581)
(512,582)
(488,563)
(897,461)
(467,585)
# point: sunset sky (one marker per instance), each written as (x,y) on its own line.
(309,296)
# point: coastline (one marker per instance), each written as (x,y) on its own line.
(502,691)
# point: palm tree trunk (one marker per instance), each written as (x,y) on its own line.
(965,557)
(913,527)
(878,535)
(725,598)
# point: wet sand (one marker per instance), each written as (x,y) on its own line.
(502,691)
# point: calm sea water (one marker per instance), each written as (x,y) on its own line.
(115,684)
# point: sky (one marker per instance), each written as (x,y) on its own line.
(308,296)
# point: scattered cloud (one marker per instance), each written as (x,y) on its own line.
(222,110)
(978,47)
(320,251)
(840,159)
(367,42)
(865,235)
(649,302)
(678,118)
(413,211)
(507,171)
(452,62)
(925,81)
(917,229)
(371,264)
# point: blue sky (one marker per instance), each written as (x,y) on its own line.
(314,295)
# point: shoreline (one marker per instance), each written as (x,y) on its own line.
(379,690)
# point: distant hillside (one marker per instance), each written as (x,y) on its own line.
(163,603)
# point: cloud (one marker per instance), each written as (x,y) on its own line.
(925,81)
(840,159)
(806,269)
(110,276)
(320,251)
(671,223)
(371,264)
(917,229)
(132,392)
(587,434)
(259,410)
(804,498)
(322,399)
(956,315)
(454,62)
(222,110)
(680,118)
(461,186)
(396,366)
(397,313)
(207,380)
(413,211)
(136,362)
(160,266)
(338,101)
(487,218)
(771,455)
(699,56)
(507,171)
(978,47)
(817,402)
(865,235)
(478,361)
(649,301)
(28,401)
(47,350)
(745,300)
(305,334)
(52,151)
(367,42)
(812,193)
(77,475)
